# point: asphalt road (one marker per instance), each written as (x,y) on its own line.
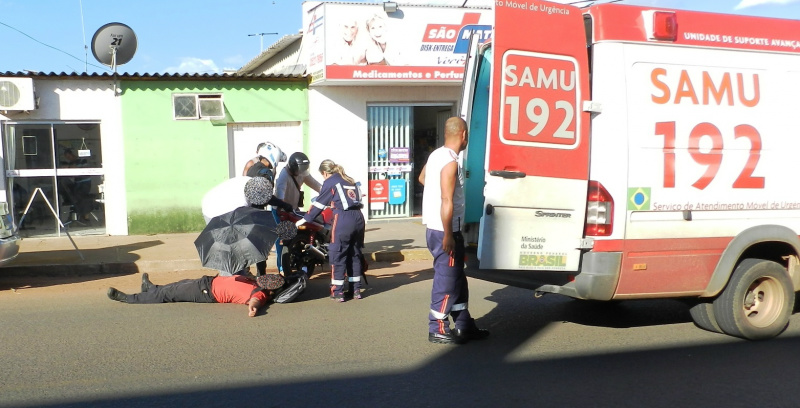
(63,343)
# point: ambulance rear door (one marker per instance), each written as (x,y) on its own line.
(538,145)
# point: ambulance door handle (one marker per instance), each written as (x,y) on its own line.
(507,174)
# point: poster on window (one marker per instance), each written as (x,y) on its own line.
(397,191)
(378,191)
(399,155)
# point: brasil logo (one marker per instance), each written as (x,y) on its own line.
(639,198)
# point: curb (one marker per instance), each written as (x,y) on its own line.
(141,266)
(116,268)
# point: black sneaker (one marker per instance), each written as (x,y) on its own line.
(471,334)
(444,338)
(114,294)
(146,284)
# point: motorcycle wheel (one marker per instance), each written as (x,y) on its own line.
(291,264)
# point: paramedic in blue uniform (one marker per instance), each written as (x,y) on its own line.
(443,215)
(343,195)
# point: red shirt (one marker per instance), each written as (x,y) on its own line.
(236,289)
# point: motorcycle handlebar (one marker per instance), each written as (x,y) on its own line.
(296,215)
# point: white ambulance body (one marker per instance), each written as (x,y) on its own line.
(623,152)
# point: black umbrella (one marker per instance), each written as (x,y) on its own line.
(237,239)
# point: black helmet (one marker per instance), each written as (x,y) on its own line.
(298,163)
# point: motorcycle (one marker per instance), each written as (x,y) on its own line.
(309,248)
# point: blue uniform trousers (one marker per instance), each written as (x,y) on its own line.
(450,294)
(344,251)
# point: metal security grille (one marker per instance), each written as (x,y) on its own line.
(390,135)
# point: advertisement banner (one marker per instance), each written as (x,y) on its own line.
(399,155)
(397,191)
(314,42)
(362,43)
(378,191)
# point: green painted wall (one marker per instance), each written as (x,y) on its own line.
(170,164)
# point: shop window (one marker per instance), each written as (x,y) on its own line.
(197,106)
(55,177)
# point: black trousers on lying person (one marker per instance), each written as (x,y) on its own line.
(187,290)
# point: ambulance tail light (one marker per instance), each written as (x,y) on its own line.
(599,211)
(661,25)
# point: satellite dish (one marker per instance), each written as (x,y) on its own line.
(114,44)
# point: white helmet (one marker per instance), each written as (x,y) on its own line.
(272,153)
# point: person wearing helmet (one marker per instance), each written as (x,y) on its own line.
(288,188)
(292,177)
(254,160)
(266,161)
(264,165)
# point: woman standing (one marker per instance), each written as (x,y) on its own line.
(342,194)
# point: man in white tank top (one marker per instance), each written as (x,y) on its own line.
(443,215)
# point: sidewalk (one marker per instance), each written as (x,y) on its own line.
(386,241)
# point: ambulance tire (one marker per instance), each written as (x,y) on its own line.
(703,317)
(757,302)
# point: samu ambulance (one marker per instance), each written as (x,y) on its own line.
(621,152)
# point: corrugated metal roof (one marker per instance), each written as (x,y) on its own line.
(273,49)
(138,76)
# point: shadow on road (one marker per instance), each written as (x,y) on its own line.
(66,266)
(722,372)
(389,246)
(377,282)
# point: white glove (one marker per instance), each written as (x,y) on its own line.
(300,222)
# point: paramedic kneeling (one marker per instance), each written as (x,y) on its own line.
(442,214)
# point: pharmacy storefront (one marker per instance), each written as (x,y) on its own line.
(383,82)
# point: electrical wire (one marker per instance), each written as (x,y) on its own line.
(50,46)
(85,48)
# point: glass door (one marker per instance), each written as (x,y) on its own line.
(390,166)
(59,164)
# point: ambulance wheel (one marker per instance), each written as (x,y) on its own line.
(757,302)
(703,317)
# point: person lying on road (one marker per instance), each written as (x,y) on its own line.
(208,289)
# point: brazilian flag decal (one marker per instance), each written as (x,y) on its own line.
(639,198)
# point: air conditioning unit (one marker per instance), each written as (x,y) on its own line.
(16,94)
